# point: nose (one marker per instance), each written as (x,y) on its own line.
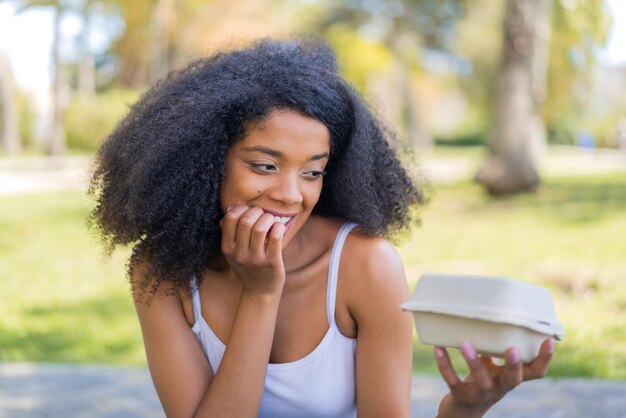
(287,189)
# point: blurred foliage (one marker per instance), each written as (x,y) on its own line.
(431,21)
(433,48)
(89,120)
(479,40)
(162,35)
(408,29)
(136,47)
(360,59)
(578,27)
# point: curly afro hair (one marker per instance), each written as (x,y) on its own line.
(156,178)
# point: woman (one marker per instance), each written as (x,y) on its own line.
(256,188)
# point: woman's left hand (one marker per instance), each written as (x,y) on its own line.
(486,382)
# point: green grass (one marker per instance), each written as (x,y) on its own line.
(568,237)
(62,301)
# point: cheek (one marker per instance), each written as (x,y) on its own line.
(312,195)
(239,186)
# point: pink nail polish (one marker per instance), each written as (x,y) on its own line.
(439,352)
(229,208)
(468,351)
(551,346)
(515,355)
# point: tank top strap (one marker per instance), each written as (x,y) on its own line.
(195,300)
(333,270)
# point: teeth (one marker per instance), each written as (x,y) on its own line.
(282,219)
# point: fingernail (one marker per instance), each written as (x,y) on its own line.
(439,352)
(468,351)
(229,208)
(551,346)
(515,355)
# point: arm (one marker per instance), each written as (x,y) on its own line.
(384,339)
(179,370)
(181,374)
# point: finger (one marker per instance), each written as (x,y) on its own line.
(490,363)
(244,229)
(275,242)
(259,234)
(477,368)
(229,227)
(539,366)
(445,368)
(513,372)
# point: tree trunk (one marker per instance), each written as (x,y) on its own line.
(511,167)
(87,75)
(87,64)
(541,61)
(56,140)
(410,113)
(158,41)
(9,132)
(419,138)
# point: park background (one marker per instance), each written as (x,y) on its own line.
(549,206)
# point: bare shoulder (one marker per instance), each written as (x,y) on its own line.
(374,273)
(147,291)
(372,259)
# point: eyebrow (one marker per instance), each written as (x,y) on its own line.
(278,154)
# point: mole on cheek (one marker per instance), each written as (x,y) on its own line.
(258,192)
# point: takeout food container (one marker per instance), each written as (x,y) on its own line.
(492,313)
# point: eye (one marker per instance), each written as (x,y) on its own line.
(314,174)
(264,167)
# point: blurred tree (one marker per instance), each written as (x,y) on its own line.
(545,73)
(161,35)
(229,24)
(404,26)
(9,132)
(131,48)
(87,61)
(578,28)
(478,36)
(55,140)
(511,167)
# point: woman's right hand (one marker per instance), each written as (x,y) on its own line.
(252,246)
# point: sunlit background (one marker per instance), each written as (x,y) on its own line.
(431,68)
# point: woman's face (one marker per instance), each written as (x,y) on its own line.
(278,167)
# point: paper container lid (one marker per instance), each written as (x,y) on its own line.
(493,299)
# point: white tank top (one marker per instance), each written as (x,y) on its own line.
(320,384)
